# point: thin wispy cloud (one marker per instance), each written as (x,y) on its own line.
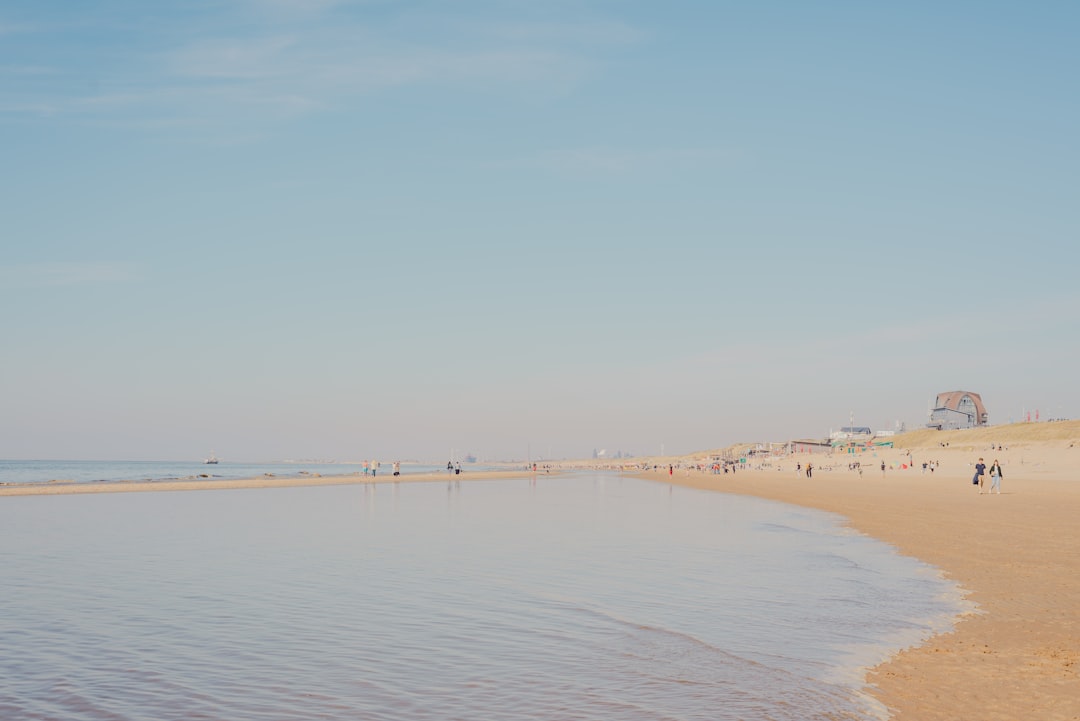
(1010,318)
(561,34)
(317,68)
(26,70)
(234,59)
(10,28)
(601,161)
(301,58)
(49,275)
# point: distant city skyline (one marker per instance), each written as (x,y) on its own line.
(278,229)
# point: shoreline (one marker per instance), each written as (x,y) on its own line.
(1015,555)
(218,484)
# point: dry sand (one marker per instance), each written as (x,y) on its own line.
(1016,554)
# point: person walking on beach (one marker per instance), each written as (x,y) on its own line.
(883,469)
(809,470)
(980,474)
(995,477)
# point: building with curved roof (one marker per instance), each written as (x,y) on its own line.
(958,409)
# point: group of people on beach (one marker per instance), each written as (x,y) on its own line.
(996,475)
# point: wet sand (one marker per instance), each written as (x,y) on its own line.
(1016,554)
(213,484)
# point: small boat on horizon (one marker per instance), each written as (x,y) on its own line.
(212,460)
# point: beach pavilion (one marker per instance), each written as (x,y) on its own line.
(957,410)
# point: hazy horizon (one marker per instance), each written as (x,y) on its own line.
(276,229)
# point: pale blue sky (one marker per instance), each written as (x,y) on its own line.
(337,229)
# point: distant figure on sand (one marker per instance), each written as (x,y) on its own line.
(995,477)
(809,470)
(980,474)
(449,466)
(397,468)
(883,469)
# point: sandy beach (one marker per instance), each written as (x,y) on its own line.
(1016,554)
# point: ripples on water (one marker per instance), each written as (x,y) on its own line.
(590,597)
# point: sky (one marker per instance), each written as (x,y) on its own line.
(404,228)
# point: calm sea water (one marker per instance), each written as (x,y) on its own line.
(585,597)
(114,471)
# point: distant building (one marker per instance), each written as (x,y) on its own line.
(810,446)
(958,409)
(852,432)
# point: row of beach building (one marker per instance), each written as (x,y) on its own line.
(953,410)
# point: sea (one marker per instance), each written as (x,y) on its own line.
(586,596)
